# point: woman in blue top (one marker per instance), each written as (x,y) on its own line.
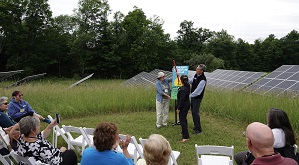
(162,99)
(105,140)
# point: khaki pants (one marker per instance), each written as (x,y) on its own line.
(162,110)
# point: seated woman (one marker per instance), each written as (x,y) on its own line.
(33,143)
(105,140)
(5,120)
(156,151)
(284,137)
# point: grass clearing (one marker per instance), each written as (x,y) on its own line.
(224,114)
(216,131)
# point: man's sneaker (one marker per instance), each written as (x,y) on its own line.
(196,132)
(46,120)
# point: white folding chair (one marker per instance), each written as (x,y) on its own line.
(134,148)
(19,158)
(56,133)
(4,143)
(209,154)
(88,135)
(5,159)
(75,142)
(173,155)
(33,161)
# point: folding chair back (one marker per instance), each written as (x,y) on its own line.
(75,142)
(173,154)
(134,148)
(19,158)
(210,154)
(5,159)
(88,135)
(57,131)
(33,161)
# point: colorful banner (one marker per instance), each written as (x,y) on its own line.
(175,81)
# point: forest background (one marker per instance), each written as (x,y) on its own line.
(87,42)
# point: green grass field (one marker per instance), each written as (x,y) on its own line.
(224,114)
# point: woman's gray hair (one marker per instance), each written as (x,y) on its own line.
(28,124)
(3,98)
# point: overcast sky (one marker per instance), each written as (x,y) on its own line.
(246,19)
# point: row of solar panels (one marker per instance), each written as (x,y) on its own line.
(5,75)
(282,81)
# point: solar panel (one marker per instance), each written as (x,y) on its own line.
(26,80)
(6,75)
(145,78)
(283,80)
(232,79)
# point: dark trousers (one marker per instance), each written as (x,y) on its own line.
(195,106)
(69,157)
(183,120)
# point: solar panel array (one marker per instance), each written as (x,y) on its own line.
(6,75)
(232,79)
(27,79)
(145,78)
(283,80)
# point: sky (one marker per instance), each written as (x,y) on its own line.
(245,19)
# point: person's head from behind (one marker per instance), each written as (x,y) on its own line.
(29,126)
(17,95)
(105,136)
(259,139)
(200,69)
(3,103)
(184,79)
(277,118)
(156,150)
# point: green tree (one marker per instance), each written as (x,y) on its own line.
(270,54)
(247,60)
(290,48)
(209,60)
(92,45)
(222,46)
(191,40)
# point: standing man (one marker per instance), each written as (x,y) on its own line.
(198,83)
(259,140)
(162,99)
(19,108)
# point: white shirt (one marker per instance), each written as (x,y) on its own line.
(279,138)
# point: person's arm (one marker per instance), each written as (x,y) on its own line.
(198,89)
(14,132)
(28,107)
(39,116)
(125,145)
(47,131)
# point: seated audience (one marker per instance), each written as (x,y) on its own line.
(33,143)
(156,151)
(105,140)
(284,137)
(19,108)
(260,140)
(5,120)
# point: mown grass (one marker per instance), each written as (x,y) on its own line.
(224,114)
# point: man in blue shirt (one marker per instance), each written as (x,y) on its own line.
(198,83)
(19,108)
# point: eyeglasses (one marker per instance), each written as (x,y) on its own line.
(5,103)
(20,95)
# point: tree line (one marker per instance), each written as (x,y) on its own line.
(88,42)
